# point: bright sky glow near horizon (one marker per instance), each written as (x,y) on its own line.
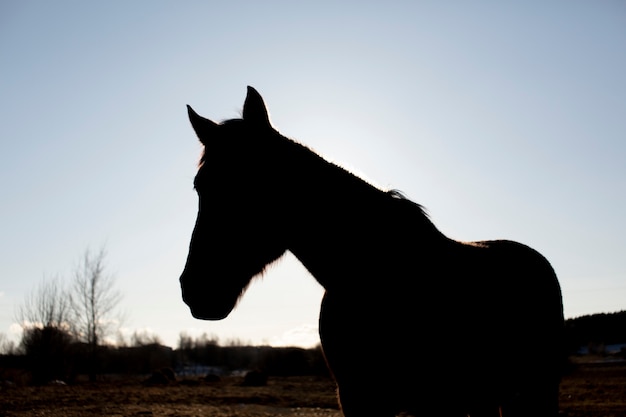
(504,119)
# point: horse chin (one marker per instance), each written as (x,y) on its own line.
(207,309)
(204,314)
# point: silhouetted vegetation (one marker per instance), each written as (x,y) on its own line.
(594,332)
(280,361)
(93,301)
(48,353)
(52,354)
(63,327)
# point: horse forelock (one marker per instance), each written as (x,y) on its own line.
(203,155)
(234,136)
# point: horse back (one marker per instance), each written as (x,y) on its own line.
(504,294)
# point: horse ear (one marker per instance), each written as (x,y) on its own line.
(204,127)
(254,109)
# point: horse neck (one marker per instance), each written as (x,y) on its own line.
(342,228)
(325,192)
(331,212)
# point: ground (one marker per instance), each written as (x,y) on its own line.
(589,390)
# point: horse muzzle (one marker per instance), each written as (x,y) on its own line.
(203,303)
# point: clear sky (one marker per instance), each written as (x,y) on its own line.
(504,119)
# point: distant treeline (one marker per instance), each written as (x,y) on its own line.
(595,330)
(51,354)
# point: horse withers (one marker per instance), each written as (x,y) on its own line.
(411,320)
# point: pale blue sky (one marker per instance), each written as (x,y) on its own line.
(504,119)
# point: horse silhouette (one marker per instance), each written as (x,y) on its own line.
(411,321)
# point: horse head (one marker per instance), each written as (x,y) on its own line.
(237,232)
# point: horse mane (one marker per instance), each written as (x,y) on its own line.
(417,214)
(399,195)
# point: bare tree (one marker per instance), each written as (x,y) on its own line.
(144,338)
(47,305)
(53,316)
(46,320)
(94,300)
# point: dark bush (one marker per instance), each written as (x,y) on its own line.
(161,377)
(212,378)
(48,353)
(254,378)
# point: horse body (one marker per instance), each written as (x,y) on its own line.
(437,343)
(411,320)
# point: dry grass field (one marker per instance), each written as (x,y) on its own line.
(590,390)
(594,389)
